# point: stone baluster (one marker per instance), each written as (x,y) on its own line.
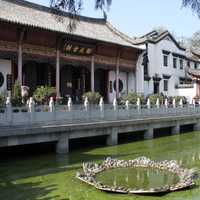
(138,104)
(9,109)
(115,104)
(51,105)
(31,105)
(31,108)
(148,103)
(193,103)
(157,103)
(181,103)
(166,103)
(127,104)
(174,103)
(101,106)
(86,104)
(69,104)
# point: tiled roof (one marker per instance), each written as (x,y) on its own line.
(154,37)
(29,14)
(194,72)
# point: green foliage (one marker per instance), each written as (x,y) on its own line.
(43,93)
(153,98)
(132,98)
(178,98)
(16,98)
(194,5)
(2,100)
(93,97)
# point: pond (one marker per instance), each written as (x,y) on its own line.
(137,178)
(47,176)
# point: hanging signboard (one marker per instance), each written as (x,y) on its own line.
(9,82)
(77,48)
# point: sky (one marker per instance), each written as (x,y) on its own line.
(136,18)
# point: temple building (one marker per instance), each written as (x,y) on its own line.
(38,48)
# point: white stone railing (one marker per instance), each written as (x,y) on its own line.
(86,112)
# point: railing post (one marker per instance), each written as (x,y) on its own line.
(166,103)
(69,104)
(101,106)
(115,104)
(127,104)
(158,103)
(51,105)
(148,103)
(174,103)
(181,103)
(31,108)
(86,104)
(8,110)
(115,107)
(138,104)
(193,103)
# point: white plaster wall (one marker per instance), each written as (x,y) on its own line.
(131,82)
(140,75)
(123,77)
(189,93)
(5,68)
(155,56)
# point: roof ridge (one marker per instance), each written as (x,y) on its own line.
(119,33)
(47,9)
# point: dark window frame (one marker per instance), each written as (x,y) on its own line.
(165,60)
(165,85)
(188,63)
(181,63)
(174,62)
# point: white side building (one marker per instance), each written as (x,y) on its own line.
(164,67)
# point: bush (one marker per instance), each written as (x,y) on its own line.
(178,98)
(16,97)
(43,93)
(93,97)
(132,98)
(2,100)
(153,98)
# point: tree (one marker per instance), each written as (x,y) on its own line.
(194,5)
(75,6)
(195,40)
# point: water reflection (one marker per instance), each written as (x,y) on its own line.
(137,178)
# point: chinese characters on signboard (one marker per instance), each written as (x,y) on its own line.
(76,48)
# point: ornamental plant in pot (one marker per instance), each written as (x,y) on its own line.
(93,97)
(132,97)
(16,97)
(43,93)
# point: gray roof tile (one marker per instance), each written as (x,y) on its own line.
(29,14)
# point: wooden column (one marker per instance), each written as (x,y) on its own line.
(127,83)
(92,74)
(19,78)
(117,75)
(20,61)
(58,72)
